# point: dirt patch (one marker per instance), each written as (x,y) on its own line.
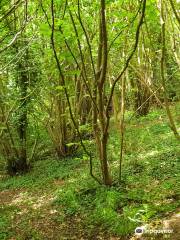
(72,229)
(7,196)
(173,224)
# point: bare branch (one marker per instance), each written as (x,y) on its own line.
(66,92)
(130,56)
(127,62)
(131,23)
(174,11)
(87,39)
(11,10)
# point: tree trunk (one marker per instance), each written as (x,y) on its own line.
(163,40)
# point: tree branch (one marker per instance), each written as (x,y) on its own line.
(174,10)
(11,10)
(66,92)
(127,61)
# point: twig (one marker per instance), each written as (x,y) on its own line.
(66,92)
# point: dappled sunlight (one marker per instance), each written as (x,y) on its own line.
(168,136)
(22,197)
(148,154)
(27,200)
(53,211)
(89,118)
(42,201)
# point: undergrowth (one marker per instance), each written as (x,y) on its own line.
(149,189)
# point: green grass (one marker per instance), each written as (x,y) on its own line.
(149,190)
(41,174)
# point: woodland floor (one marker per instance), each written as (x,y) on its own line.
(58,199)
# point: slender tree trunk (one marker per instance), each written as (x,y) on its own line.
(21,164)
(122,127)
(102,70)
(163,42)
